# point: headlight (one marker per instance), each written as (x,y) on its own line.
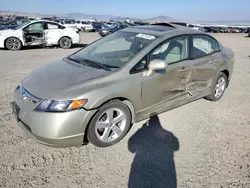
(104,31)
(60,106)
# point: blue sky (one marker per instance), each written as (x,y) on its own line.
(179,9)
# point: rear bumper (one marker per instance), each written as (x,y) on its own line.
(76,39)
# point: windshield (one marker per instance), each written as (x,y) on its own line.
(115,50)
(69,21)
(22,24)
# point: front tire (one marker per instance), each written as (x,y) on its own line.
(65,43)
(218,88)
(13,44)
(110,124)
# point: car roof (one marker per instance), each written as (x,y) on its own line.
(41,20)
(161,29)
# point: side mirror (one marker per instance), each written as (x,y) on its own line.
(156,65)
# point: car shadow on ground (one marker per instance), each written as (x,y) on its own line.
(153,164)
(79,45)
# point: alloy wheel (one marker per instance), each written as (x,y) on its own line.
(110,125)
(220,87)
(13,44)
(65,42)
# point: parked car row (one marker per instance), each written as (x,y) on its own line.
(214,29)
(217,29)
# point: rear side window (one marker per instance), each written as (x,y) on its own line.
(52,26)
(203,46)
(172,51)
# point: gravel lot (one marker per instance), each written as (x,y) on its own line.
(204,144)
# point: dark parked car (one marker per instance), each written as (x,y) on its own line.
(211,29)
(21,19)
(47,18)
(108,30)
(8,27)
(98,26)
(7,22)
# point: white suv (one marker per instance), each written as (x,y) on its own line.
(84,25)
(69,23)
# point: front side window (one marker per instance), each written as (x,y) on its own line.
(38,26)
(203,46)
(172,51)
(115,50)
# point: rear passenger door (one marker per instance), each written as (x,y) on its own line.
(53,32)
(205,56)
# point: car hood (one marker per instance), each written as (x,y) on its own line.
(55,77)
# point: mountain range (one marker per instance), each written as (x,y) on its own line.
(78,15)
(162,18)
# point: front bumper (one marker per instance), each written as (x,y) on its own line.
(103,34)
(52,129)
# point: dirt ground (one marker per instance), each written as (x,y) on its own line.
(202,144)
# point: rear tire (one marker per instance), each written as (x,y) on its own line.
(110,124)
(13,44)
(65,43)
(218,87)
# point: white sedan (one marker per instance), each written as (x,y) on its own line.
(38,33)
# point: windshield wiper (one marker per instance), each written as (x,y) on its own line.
(97,64)
(76,61)
(87,61)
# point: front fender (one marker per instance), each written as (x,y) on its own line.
(128,88)
(17,34)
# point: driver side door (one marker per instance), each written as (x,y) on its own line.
(163,89)
(33,34)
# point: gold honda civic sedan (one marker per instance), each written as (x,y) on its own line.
(97,93)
